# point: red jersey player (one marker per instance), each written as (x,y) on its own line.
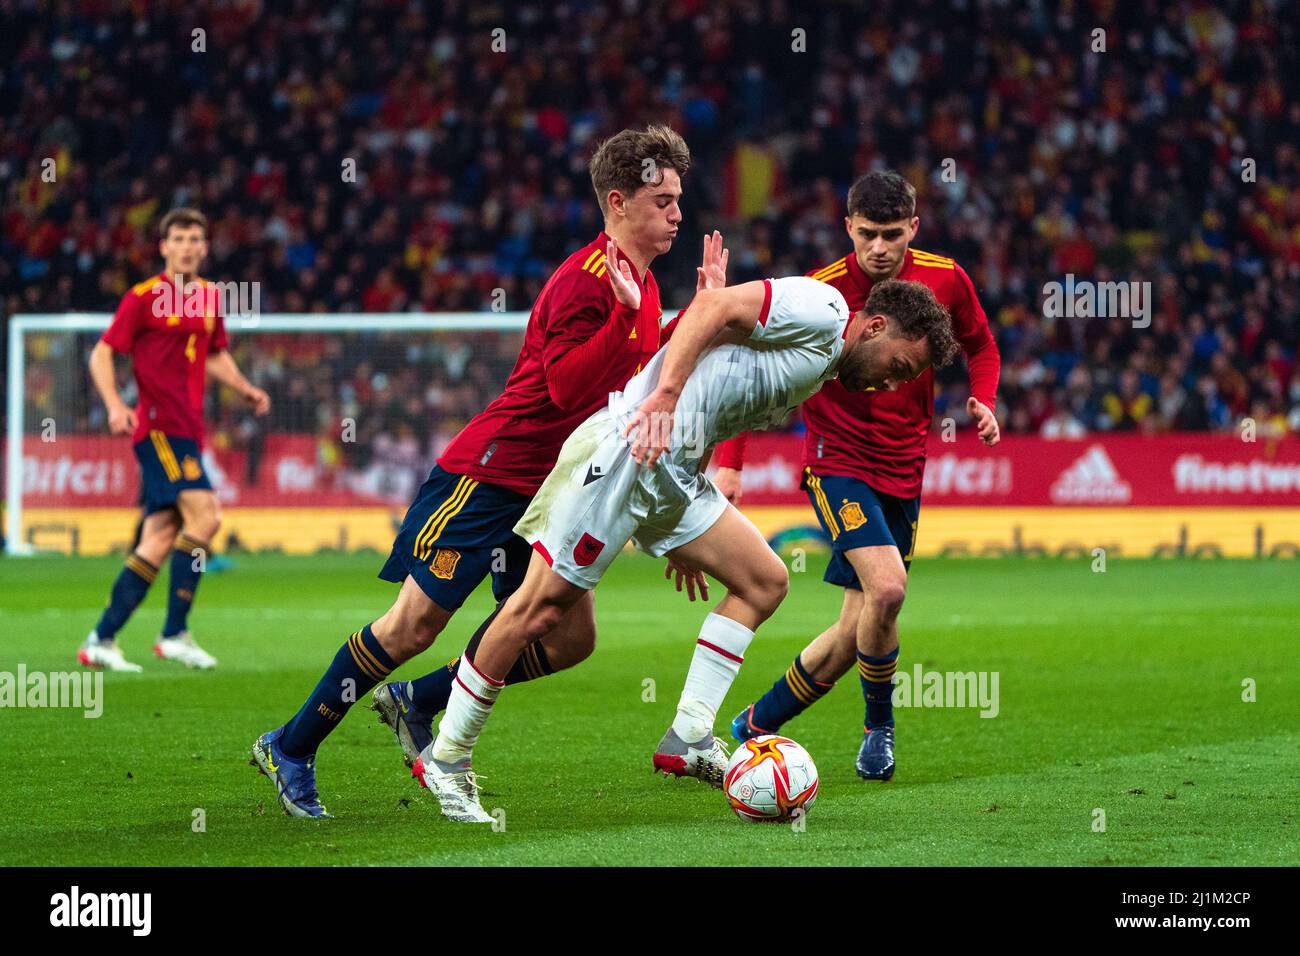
(864,455)
(174,342)
(579,345)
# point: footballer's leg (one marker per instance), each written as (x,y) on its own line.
(809,677)
(287,754)
(156,534)
(437,573)
(200,520)
(882,574)
(535,610)
(569,644)
(871,541)
(734,552)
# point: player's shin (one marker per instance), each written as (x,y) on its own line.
(794,692)
(129,589)
(472,697)
(359,665)
(719,652)
(877,674)
(189,555)
(431,692)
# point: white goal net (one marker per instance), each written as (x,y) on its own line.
(361,406)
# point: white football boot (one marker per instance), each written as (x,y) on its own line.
(104,655)
(705,759)
(456,788)
(183,650)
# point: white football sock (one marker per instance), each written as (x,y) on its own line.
(472,696)
(719,653)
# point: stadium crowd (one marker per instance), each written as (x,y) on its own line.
(1153,142)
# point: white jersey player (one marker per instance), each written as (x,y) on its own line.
(741,358)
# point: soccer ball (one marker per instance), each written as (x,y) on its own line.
(769,778)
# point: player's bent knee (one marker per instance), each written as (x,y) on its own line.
(769,589)
(887,598)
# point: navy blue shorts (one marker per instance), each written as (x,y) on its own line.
(168,466)
(457,532)
(857,516)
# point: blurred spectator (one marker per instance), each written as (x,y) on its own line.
(379,156)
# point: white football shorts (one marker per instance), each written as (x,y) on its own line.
(597,498)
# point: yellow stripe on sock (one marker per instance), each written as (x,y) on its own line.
(798,686)
(531,669)
(142,568)
(365,660)
(187,544)
(877,672)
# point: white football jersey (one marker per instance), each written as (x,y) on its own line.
(756,383)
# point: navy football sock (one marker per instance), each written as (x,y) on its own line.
(431,692)
(186,568)
(877,674)
(129,589)
(360,664)
(793,693)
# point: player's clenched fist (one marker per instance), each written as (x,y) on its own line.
(258,398)
(121,420)
(985,421)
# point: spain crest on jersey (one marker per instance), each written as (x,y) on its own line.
(851,516)
(191,469)
(444,563)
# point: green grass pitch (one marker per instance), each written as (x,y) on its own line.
(1119,691)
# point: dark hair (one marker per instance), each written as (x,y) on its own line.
(917,314)
(882,196)
(184,217)
(619,162)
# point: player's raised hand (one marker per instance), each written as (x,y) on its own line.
(620,275)
(711,273)
(260,401)
(651,428)
(121,420)
(985,421)
(690,575)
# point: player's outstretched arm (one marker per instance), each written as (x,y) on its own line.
(713,312)
(221,366)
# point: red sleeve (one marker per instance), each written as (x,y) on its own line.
(220,342)
(120,334)
(731,453)
(581,338)
(971,327)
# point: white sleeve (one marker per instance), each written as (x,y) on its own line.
(799,310)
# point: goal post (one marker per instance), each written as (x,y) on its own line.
(409,380)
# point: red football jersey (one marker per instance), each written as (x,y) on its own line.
(579,345)
(169,347)
(879,436)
